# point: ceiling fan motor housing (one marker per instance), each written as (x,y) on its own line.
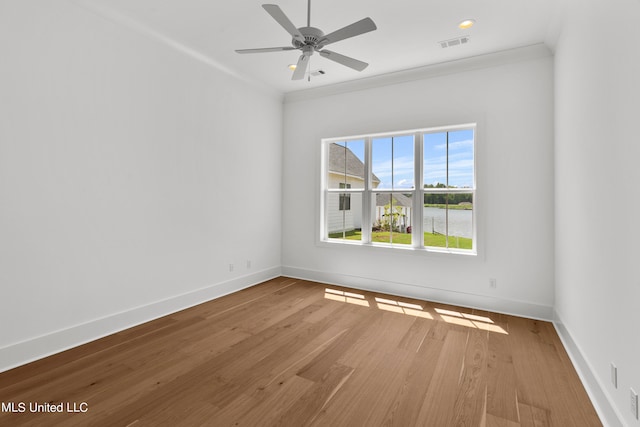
(312,36)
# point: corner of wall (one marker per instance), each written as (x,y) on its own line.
(597,393)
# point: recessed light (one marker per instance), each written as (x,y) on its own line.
(292,67)
(466,24)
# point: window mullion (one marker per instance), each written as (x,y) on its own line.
(366,195)
(417,233)
(446,201)
(323,192)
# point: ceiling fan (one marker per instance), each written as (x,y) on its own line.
(310,40)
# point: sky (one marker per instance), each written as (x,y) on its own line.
(393,162)
(460,158)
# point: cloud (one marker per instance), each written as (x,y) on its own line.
(404,183)
(457,145)
(402,171)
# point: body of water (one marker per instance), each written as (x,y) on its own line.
(460,221)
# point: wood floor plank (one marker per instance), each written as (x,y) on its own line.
(60,365)
(312,403)
(406,406)
(416,334)
(211,378)
(246,372)
(439,331)
(362,400)
(386,383)
(230,303)
(385,332)
(564,379)
(291,352)
(317,367)
(269,309)
(472,390)
(439,406)
(494,421)
(523,336)
(501,380)
(323,337)
(265,407)
(530,416)
(91,373)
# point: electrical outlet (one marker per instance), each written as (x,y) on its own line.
(492,283)
(634,403)
(230,267)
(614,375)
(248,264)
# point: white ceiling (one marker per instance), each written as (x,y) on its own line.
(407,36)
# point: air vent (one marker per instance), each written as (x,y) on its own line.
(454,42)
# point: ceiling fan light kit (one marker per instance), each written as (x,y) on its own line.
(310,40)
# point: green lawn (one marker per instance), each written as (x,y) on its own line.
(434,240)
(450,207)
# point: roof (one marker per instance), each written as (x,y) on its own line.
(339,155)
(382,199)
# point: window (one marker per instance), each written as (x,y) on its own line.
(344,179)
(448,182)
(412,189)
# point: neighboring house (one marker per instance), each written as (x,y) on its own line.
(346,170)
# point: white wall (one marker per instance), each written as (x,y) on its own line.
(597,69)
(511,97)
(125,178)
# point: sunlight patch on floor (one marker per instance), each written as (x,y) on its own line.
(402,307)
(411,309)
(470,320)
(348,297)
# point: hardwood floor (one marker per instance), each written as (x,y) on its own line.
(296,353)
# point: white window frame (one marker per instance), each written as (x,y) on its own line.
(418,192)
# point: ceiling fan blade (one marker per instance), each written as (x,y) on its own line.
(363,26)
(344,60)
(277,14)
(265,49)
(301,68)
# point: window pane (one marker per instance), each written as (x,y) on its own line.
(461,159)
(448,220)
(344,216)
(435,160)
(392,218)
(346,164)
(403,164)
(393,162)
(345,202)
(460,213)
(381,163)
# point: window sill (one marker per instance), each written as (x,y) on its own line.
(397,248)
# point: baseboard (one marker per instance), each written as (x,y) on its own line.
(33,349)
(597,393)
(497,305)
